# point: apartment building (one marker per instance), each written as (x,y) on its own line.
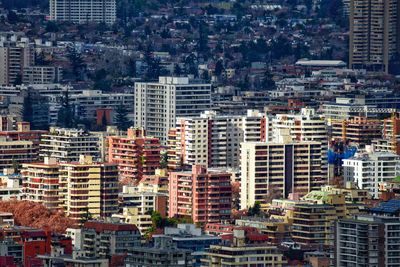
(137,204)
(41,75)
(373,34)
(88,189)
(390,141)
(8,122)
(68,144)
(163,253)
(41,183)
(15,55)
(23,132)
(282,166)
(83,11)
(358,130)
(344,108)
(136,154)
(99,239)
(367,240)
(305,126)
(371,170)
(201,194)
(88,102)
(241,254)
(214,140)
(312,225)
(157,105)
(15,153)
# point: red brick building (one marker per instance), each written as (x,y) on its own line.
(136,155)
(204,195)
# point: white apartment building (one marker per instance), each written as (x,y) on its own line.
(68,144)
(306,126)
(83,11)
(282,165)
(370,170)
(158,104)
(214,140)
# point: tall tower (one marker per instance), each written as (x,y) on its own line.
(374,32)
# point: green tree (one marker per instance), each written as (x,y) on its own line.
(77,64)
(66,114)
(219,68)
(164,160)
(255,210)
(121,118)
(27,108)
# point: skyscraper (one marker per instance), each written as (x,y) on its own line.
(373,33)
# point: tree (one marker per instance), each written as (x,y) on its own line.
(164,160)
(32,214)
(177,70)
(219,68)
(255,210)
(27,109)
(77,64)
(121,118)
(66,114)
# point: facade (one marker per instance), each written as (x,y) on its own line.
(163,253)
(136,154)
(89,102)
(305,126)
(283,166)
(312,225)
(371,170)
(16,153)
(345,108)
(241,254)
(373,34)
(359,130)
(204,195)
(367,241)
(157,105)
(102,239)
(14,57)
(88,189)
(41,75)
(214,140)
(69,144)
(41,183)
(137,205)
(23,132)
(83,11)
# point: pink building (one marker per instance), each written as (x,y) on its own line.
(204,195)
(137,155)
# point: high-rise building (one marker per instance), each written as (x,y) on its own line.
(69,144)
(367,240)
(204,195)
(371,170)
(88,189)
(359,130)
(283,165)
(214,140)
(305,126)
(83,11)
(158,104)
(14,57)
(374,33)
(41,183)
(136,154)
